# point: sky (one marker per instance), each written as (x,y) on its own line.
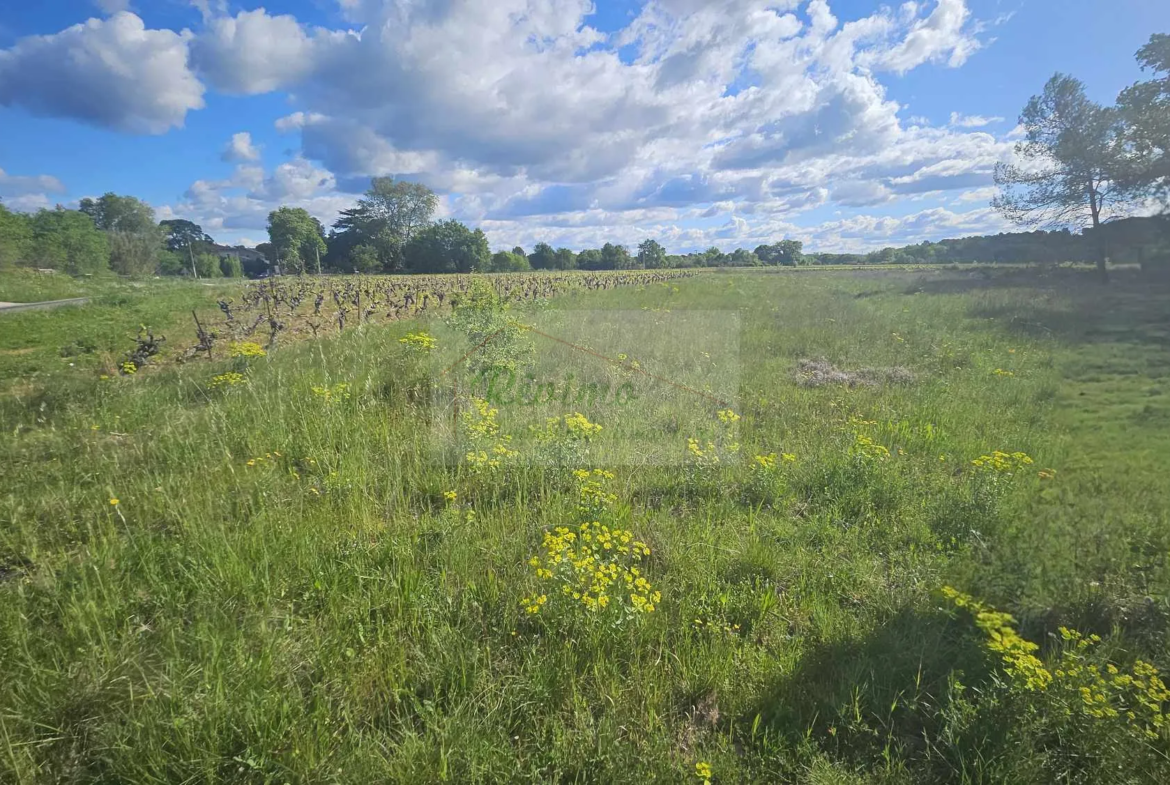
(848,125)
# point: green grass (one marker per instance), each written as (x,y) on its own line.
(325,615)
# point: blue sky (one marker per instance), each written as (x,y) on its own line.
(848,125)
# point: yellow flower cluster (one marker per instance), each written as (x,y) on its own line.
(578,426)
(1136,697)
(768,462)
(420,342)
(245,349)
(727,416)
(1002,372)
(594,566)
(703,771)
(480,427)
(330,395)
(1002,462)
(263,459)
(1026,670)
(129,368)
(866,448)
(230,379)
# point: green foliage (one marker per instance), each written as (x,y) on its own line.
(207,266)
(68,240)
(364,259)
(448,247)
(1145,112)
(390,214)
(651,255)
(15,237)
(788,253)
(508,262)
(135,253)
(543,257)
(591,259)
(113,213)
(564,259)
(231,266)
(1067,161)
(297,238)
(173,263)
(181,235)
(616,257)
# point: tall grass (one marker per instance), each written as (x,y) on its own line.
(260,583)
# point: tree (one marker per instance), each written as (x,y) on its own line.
(1145,113)
(616,257)
(135,239)
(173,263)
(390,214)
(113,213)
(519,251)
(364,259)
(181,235)
(135,253)
(564,259)
(67,240)
(15,237)
(590,259)
(788,253)
(543,257)
(741,257)
(1067,162)
(297,238)
(508,262)
(651,255)
(447,247)
(231,266)
(207,266)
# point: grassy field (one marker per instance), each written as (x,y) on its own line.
(266,579)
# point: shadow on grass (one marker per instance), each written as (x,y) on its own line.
(887,695)
(1068,305)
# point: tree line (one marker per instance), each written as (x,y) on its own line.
(112,233)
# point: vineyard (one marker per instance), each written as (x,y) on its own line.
(293,308)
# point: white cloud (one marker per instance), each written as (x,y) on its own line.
(244,200)
(113,73)
(16,185)
(941,37)
(960,120)
(241,148)
(749,113)
(255,53)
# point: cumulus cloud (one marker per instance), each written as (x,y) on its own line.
(112,73)
(255,53)
(241,148)
(16,185)
(742,113)
(244,200)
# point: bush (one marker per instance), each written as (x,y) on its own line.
(207,266)
(135,253)
(172,263)
(231,267)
